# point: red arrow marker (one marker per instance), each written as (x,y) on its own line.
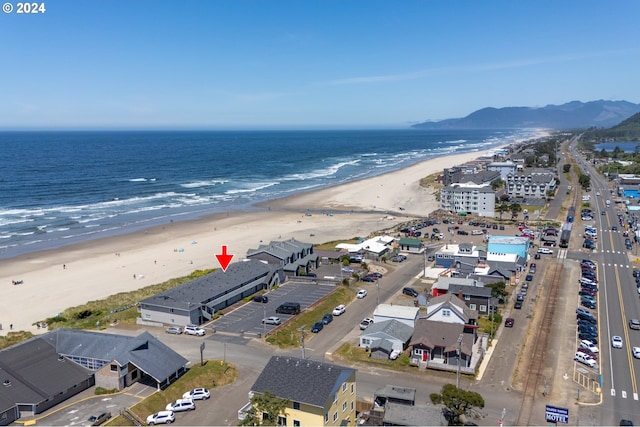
(224,259)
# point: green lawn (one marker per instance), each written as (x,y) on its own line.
(288,335)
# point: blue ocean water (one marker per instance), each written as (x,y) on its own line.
(626,146)
(58,188)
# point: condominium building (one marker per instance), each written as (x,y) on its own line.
(468,198)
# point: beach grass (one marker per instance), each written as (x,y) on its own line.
(213,374)
(13,338)
(331,246)
(290,333)
(120,308)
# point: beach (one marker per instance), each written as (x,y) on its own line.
(55,280)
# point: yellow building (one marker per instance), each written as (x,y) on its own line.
(319,394)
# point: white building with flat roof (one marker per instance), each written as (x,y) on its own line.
(402,313)
(469,198)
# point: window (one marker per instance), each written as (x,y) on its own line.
(483,308)
(467,297)
(326,417)
(353,386)
(296,405)
(282,421)
(446,313)
(472,306)
(344,387)
(296,423)
(352,405)
(335,397)
(114,367)
(335,416)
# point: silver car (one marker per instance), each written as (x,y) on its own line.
(175,330)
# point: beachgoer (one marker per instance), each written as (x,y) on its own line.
(134,275)
(11,327)
(64,266)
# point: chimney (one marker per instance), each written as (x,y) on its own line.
(460,294)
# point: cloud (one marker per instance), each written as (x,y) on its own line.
(500,65)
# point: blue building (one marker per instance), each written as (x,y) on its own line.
(509,245)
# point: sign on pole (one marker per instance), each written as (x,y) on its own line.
(557,415)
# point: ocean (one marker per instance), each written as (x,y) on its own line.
(58,188)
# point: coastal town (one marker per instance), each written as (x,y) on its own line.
(467,299)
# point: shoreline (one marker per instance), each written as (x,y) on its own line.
(56,279)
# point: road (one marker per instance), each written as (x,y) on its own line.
(618,303)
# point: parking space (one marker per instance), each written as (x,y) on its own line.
(248,317)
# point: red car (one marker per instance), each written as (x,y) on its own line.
(508,322)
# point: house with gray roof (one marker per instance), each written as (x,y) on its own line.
(196,301)
(294,257)
(387,336)
(448,308)
(441,345)
(477,298)
(118,361)
(36,378)
(319,394)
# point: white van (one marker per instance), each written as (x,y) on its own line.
(477,232)
(608,203)
(584,358)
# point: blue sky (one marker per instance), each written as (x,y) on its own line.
(236,64)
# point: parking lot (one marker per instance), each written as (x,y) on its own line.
(247,319)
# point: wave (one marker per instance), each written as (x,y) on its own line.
(206,183)
(253,187)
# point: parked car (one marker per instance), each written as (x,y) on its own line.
(636,352)
(584,358)
(529,278)
(368,278)
(463,232)
(362,293)
(162,417)
(410,291)
(545,251)
(197,394)
(339,310)
(272,320)
(317,327)
(175,330)
(394,354)
(508,322)
(588,336)
(518,305)
(634,324)
(589,346)
(365,323)
(261,298)
(96,420)
(194,330)
(588,303)
(537,256)
(181,405)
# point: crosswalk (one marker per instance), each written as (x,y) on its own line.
(624,394)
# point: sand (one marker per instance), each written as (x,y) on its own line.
(58,279)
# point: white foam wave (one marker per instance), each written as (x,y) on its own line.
(253,188)
(206,183)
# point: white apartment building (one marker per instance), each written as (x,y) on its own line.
(469,198)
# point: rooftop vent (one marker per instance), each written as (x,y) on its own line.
(6,383)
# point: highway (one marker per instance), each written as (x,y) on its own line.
(618,302)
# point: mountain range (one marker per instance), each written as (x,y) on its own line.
(572,115)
